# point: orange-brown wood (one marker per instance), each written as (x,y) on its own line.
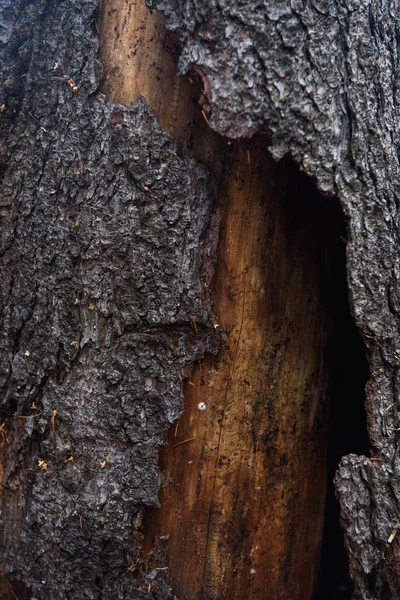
(13,591)
(241,510)
(139,58)
(12,497)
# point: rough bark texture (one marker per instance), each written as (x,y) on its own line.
(103,272)
(323,79)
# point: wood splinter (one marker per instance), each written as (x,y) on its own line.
(183,442)
(53,421)
(393,534)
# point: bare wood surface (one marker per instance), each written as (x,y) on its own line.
(242,502)
(140,59)
(244,481)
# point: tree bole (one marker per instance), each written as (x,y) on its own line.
(109,241)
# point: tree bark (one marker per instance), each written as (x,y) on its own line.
(322,79)
(104,239)
(108,248)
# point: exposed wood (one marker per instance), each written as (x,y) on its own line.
(242,503)
(140,59)
(12,490)
(238,515)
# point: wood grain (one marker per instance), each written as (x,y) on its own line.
(241,510)
(140,59)
(242,505)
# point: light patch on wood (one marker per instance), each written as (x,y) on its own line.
(140,59)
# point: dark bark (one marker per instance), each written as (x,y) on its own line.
(322,79)
(87,258)
(103,272)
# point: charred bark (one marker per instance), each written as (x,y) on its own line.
(105,234)
(107,245)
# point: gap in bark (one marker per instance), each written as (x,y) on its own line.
(347,427)
(278,229)
(279,236)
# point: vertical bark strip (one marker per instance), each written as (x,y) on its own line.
(104,245)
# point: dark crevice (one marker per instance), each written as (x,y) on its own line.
(313,234)
(347,431)
(347,372)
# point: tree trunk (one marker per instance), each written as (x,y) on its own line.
(146,242)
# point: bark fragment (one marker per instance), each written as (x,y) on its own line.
(102,240)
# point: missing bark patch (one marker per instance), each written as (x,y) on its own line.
(242,506)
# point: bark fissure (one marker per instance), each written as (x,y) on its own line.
(347,430)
